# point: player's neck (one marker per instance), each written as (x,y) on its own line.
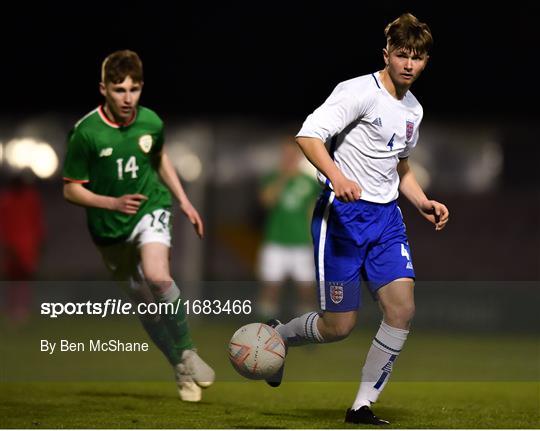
(114,119)
(395,91)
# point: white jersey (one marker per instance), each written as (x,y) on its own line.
(367,131)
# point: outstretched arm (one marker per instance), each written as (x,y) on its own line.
(346,190)
(77,194)
(434,211)
(170,178)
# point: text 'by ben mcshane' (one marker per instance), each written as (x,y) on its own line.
(92,345)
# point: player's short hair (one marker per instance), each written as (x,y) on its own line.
(407,32)
(121,64)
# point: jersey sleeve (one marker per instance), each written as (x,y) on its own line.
(338,111)
(77,161)
(160,138)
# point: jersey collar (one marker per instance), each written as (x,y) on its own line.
(378,80)
(111,123)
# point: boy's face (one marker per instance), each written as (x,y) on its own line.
(122,98)
(403,65)
(290,157)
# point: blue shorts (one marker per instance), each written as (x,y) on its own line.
(357,240)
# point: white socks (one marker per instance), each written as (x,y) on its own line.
(384,350)
(301,330)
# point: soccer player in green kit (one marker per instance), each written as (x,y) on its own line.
(116,167)
(289,195)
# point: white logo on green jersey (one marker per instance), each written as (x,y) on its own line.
(145,142)
(105,152)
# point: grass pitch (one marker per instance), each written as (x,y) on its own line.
(254,405)
(440,381)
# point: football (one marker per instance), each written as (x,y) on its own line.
(257,351)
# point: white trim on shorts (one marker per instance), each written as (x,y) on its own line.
(322,243)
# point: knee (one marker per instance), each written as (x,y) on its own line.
(159,280)
(400,316)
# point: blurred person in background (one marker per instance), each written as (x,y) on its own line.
(116,167)
(288,194)
(22,233)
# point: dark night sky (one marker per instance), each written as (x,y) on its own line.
(278,59)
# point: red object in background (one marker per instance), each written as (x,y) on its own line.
(21,235)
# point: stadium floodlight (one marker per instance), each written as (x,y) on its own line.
(44,162)
(187,163)
(422,175)
(40,157)
(19,152)
(190,167)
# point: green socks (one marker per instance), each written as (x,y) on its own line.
(159,334)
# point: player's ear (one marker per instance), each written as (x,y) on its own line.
(102,89)
(385,56)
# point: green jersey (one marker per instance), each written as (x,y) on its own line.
(114,160)
(288,220)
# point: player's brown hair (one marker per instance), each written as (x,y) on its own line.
(121,64)
(407,32)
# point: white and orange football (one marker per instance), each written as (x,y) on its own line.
(257,351)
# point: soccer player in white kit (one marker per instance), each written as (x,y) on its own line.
(370,125)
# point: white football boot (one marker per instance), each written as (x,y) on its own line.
(201,372)
(192,374)
(188,390)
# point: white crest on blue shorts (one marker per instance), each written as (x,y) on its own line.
(336,292)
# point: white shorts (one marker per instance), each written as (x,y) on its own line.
(123,259)
(277,262)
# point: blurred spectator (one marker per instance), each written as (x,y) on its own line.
(288,194)
(21,236)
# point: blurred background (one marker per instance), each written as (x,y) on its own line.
(231,81)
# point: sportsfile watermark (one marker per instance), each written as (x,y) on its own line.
(464,331)
(119,307)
